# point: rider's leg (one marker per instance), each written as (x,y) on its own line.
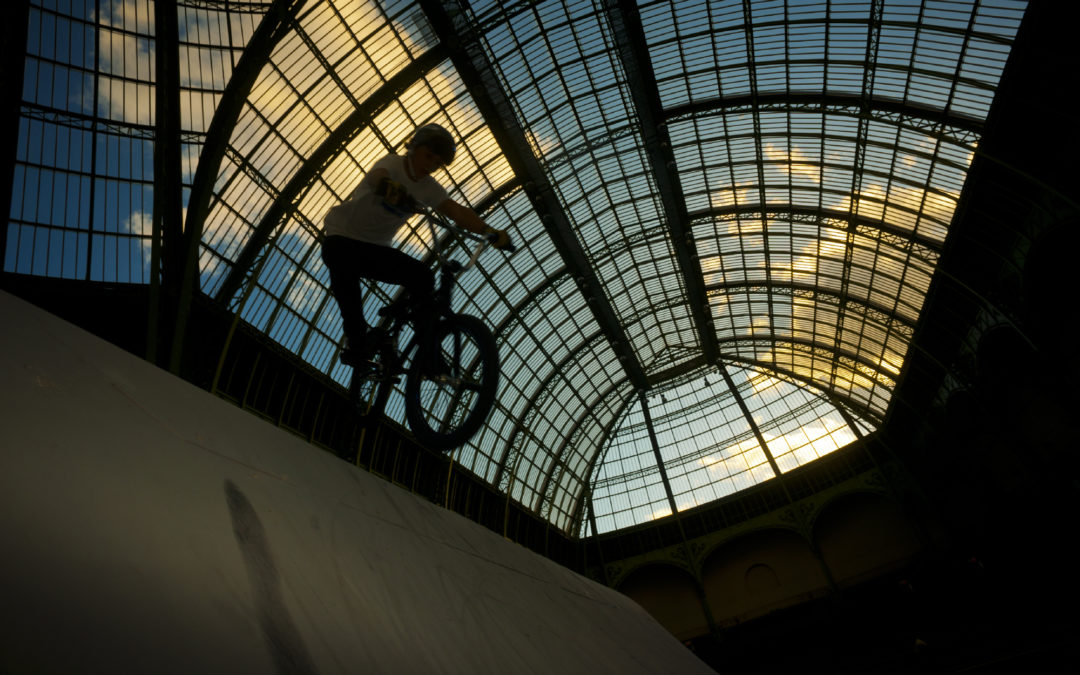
(395,267)
(338,256)
(392,266)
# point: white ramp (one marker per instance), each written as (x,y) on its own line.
(149,527)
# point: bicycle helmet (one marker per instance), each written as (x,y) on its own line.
(437,138)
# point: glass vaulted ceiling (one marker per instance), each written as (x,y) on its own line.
(728,213)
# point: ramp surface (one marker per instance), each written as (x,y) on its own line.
(150,527)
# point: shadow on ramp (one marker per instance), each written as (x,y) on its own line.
(122,553)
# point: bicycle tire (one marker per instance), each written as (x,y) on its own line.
(445,415)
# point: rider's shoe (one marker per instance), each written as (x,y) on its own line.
(354,355)
(349,355)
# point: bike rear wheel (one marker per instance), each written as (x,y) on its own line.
(445,413)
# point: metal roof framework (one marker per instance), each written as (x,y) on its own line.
(755,193)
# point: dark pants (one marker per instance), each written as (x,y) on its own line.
(349,261)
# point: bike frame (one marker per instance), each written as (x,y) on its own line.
(445,410)
(400,310)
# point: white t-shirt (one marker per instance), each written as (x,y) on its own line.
(364,216)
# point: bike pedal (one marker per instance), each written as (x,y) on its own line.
(444,379)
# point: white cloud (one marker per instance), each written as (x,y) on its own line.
(141,224)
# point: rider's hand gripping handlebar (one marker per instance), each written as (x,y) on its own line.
(500,239)
(490,237)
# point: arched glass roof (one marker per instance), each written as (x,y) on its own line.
(728,213)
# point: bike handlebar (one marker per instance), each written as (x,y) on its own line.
(485,239)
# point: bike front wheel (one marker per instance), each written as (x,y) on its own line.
(446,412)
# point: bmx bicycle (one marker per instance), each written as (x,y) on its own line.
(446,410)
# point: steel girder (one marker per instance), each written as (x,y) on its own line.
(274,25)
(550,482)
(885,316)
(922,247)
(168,267)
(938,124)
(874,30)
(11,79)
(478,74)
(521,429)
(633,51)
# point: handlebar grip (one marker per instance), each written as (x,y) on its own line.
(492,237)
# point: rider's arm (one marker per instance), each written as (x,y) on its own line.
(467,218)
(462,215)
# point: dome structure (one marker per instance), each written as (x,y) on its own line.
(728,214)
